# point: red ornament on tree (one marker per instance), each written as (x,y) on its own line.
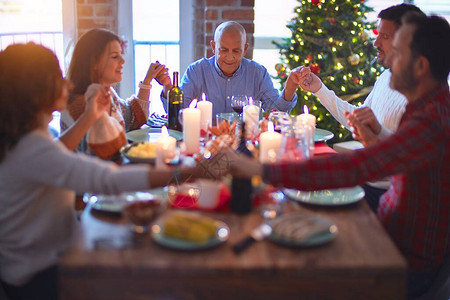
(309,57)
(316,2)
(331,20)
(355,80)
(375,31)
(315,68)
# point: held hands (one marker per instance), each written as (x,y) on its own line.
(228,162)
(307,80)
(303,77)
(154,70)
(242,166)
(163,77)
(361,131)
(366,116)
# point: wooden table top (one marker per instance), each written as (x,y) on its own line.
(108,261)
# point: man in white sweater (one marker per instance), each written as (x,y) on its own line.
(383,106)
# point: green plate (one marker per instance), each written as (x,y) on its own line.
(116,203)
(302,230)
(151,134)
(322,135)
(222,234)
(333,197)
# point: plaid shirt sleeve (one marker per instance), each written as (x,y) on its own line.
(416,209)
(417,144)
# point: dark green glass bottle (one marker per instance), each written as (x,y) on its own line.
(175,103)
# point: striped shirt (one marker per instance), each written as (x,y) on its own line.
(416,208)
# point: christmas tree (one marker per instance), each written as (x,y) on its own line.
(333,38)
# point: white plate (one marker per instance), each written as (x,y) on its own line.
(134,159)
(157,233)
(333,197)
(302,230)
(322,135)
(116,203)
(151,134)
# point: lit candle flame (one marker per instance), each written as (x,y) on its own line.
(305,109)
(203,97)
(270,127)
(164,131)
(250,100)
(193,103)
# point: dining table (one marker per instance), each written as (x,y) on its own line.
(107,260)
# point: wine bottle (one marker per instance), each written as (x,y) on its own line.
(175,102)
(241,188)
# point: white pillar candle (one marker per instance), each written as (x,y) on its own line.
(307,118)
(251,118)
(191,128)
(205,107)
(269,144)
(251,113)
(307,134)
(165,147)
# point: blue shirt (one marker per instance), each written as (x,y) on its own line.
(250,79)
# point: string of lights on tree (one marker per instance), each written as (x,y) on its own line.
(333,38)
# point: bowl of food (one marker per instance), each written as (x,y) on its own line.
(142,212)
(140,152)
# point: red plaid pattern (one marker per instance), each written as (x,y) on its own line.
(416,209)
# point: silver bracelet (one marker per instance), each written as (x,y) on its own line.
(144,86)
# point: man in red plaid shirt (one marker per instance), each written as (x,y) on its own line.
(416,209)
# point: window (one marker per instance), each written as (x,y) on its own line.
(22,21)
(156,31)
(271,18)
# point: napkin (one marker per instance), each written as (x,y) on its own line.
(156,120)
(189,202)
(320,148)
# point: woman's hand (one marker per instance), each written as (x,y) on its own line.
(153,71)
(98,101)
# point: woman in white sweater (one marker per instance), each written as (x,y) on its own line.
(39,176)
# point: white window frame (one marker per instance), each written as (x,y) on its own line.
(125,30)
(70,32)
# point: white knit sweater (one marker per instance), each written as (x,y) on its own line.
(387,105)
(37,180)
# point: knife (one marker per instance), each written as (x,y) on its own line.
(257,234)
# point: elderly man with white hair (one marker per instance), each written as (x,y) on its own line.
(229,73)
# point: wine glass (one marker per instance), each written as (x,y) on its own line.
(237,104)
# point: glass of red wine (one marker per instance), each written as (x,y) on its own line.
(237,104)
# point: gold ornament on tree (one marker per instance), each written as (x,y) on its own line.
(364,35)
(354,59)
(280,67)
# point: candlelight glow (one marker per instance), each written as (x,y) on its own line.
(270,127)
(305,109)
(203,97)
(193,103)
(250,100)
(164,131)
